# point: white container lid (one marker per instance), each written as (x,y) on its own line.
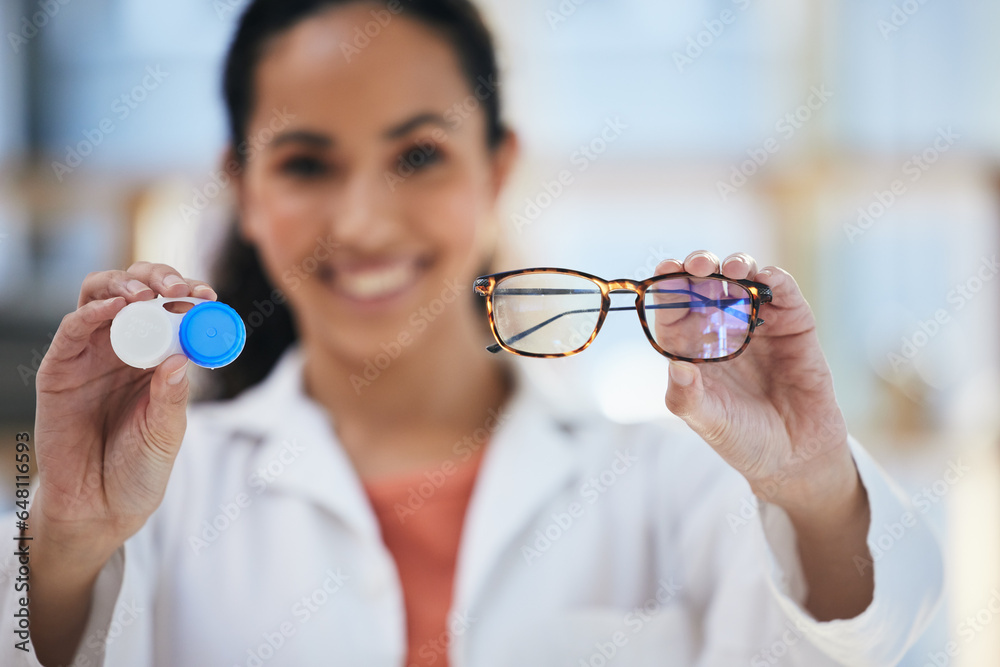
(144,333)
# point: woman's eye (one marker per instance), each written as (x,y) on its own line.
(420,157)
(305,167)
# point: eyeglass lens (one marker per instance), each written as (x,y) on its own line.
(546,313)
(698,318)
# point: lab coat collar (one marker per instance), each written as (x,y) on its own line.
(297,452)
(529,458)
(532,456)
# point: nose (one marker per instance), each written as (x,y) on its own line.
(361,213)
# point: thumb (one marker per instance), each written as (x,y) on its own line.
(685,391)
(166,416)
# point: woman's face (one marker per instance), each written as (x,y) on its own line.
(371,205)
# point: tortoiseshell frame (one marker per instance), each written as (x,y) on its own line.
(484,286)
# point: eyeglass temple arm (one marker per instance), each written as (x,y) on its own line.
(718,303)
(765,297)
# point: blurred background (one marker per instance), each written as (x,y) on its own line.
(853,142)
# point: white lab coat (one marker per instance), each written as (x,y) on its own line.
(586,543)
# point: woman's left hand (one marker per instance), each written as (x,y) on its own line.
(770,413)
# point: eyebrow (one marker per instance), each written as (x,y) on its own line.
(319,140)
(303,137)
(413,123)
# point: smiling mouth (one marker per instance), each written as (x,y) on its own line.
(375,283)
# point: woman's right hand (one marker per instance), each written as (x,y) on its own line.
(106,434)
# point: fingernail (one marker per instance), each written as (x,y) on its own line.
(682,374)
(135,287)
(172,280)
(178,375)
(205,289)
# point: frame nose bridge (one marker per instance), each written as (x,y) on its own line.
(623,285)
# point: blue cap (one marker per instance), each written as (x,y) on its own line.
(212,334)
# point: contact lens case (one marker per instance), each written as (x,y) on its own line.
(144,333)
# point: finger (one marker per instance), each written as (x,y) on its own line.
(788,311)
(164,279)
(668,266)
(685,392)
(102,285)
(739,266)
(701,263)
(166,412)
(75,330)
(197,288)
(202,290)
(785,292)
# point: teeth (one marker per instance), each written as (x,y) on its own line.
(372,284)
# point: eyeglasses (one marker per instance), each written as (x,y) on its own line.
(548,312)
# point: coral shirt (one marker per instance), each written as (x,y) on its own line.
(421,516)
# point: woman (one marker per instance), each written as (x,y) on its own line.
(440,511)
